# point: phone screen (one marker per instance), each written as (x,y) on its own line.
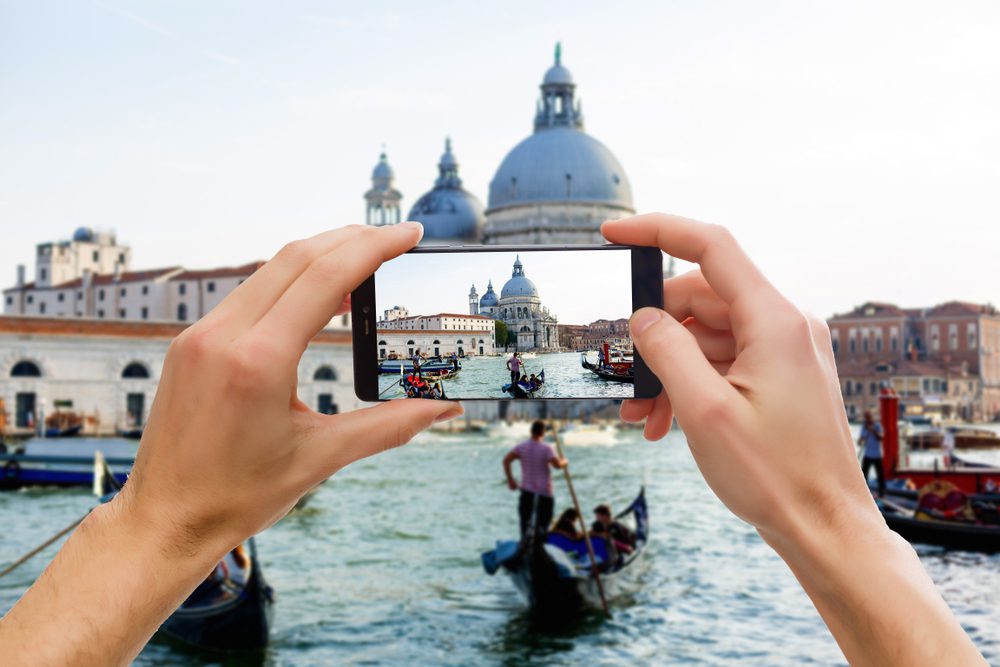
(505,324)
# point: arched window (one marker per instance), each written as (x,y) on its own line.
(182,312)
(410,342)
(325,374)
(26,369)
(459,341)
(437,342)
(135,370)
(381,342)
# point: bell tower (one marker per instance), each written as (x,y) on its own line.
(382,201)
(473,301)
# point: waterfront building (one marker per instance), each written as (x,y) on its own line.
(529,324)
(438,342)
(90,278)
(556,186)
(436,322)
(943,361)
(592,336)
(107,371)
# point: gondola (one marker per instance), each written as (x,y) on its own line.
(608,372)
(520,388)
(555,583)
(220,615)
(948,534)
(393,366)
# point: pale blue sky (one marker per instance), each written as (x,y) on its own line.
(854,147)
(578,286)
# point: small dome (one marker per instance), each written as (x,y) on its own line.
(83,234)
(557,76)
(448,213)
(382,170)
(489,299)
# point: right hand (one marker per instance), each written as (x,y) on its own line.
(752,381)
(512,485)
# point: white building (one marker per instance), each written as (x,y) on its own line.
(436,342)
(107,371)
(89,277)
(438,322)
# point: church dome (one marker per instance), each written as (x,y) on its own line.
(518,285)
(449,211)
(489,300)
(557,75)
(382,170)
(560,164)
(83,234)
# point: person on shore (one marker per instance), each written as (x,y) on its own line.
(871,439)
(618,532)
(536,503)
(229,448)
(514,366)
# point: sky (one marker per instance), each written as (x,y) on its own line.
(426,284)
(852,147)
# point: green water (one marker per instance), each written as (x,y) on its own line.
(383,569)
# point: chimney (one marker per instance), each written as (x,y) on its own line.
(20,275)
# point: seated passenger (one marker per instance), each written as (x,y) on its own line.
(623,537)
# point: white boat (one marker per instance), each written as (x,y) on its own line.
(588,434)
(527,355)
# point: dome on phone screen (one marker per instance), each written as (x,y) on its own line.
(448,212)
(518,285)
(560,183)
(489,299)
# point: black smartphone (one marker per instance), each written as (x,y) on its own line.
(505,322)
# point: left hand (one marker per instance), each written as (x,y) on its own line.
(229,447)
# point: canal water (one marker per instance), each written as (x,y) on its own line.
(484,377)
(383,569)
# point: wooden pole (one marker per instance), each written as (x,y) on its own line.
(583,524)
(23,559)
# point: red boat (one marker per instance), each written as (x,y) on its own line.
(971,480)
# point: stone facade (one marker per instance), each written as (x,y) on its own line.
(108,371)
(944,360)
(436,342)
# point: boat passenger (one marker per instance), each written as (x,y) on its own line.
(533,383)
(568,524)
(623,537)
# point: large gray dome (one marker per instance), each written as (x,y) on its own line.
(560,164)
(518,285)
(489,299)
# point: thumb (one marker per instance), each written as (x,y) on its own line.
(673,354)
(336,441)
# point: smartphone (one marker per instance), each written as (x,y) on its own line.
(505,322)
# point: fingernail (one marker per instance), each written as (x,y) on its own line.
(410,225)
(643,319)
(449,414)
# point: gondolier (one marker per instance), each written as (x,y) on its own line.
(537,457)
(514,366)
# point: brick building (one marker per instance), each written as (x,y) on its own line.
(944,361)
(592,336)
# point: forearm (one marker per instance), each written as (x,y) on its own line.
(107,591)
(509,473)
(871,590)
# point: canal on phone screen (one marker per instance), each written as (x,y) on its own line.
(484,377)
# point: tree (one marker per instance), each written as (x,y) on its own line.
(501,335)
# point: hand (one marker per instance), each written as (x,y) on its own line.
(229,447)
(512,485)
(753,383)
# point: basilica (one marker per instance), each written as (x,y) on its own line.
(530,325)
(556,186)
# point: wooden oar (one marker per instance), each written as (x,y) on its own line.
(583,524)
(34,552)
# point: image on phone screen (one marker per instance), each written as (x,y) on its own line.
(515,324)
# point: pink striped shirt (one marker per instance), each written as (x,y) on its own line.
(536,476)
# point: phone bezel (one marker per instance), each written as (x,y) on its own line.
(647,290)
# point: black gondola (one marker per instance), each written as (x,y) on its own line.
(948,534)
(521,389)
(607,373)
(222,614)
(553,582)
